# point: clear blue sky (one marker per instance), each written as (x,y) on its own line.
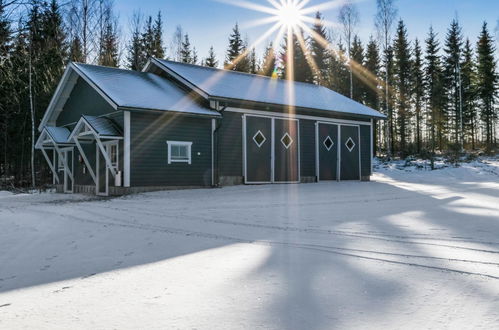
(209,22)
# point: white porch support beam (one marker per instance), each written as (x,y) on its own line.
(126,151)
(109,165)
(51,165)
(85,159)
(65,161)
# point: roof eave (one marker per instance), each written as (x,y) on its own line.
(214,114)
(277,105)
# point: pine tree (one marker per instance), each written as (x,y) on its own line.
(359,78)
(269,64)
(469,94)
(211,60)
(402,73)
(186,52)
(434,90)
(418,92)
(487,80)
(158,49)
(318,52)
(452,60)
(194,56)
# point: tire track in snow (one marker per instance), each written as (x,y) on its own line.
(189,233)
(356,234)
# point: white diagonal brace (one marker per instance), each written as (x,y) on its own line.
(85,159)
(65,161)
(52,166)
(109,165)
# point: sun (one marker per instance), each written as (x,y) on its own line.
(289,14)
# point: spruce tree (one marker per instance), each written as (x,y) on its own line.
(487,80)
(211,61)
(418,92)
(185,51)
(318,52)
(359,77)
(194,56)
(253,62)
(434,90)
(235,50)
(452,60)
(338,74)
(468,87)
(135,57)
(269,62)
(299,68)
(109,43)
(158,49)
(372,91)
(147,39)
(402,74)
(76,50)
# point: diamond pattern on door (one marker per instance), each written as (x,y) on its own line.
(286,140)
(259,139)
(328,143)
(350,144)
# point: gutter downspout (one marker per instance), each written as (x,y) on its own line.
(217,145)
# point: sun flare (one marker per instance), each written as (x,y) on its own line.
(289,14)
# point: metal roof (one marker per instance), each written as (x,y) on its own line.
(141,90)
(219,83)
(103,126)
(60,135)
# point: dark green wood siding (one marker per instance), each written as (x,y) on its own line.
(365,150)
(307,147)
(83,100)
(149,152)
(230,145)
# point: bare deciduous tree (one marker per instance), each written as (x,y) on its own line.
(384,19)
(349,18)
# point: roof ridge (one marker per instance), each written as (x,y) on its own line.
(241,73)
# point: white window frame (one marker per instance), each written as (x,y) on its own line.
(180,144)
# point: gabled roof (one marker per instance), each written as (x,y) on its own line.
(58,134)
(102,126)
(225,84)
(124,89)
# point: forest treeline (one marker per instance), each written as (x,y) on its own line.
(440,94)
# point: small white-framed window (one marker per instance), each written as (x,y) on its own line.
(114,155)
(179,151)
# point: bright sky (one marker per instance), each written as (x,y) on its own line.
(209,22)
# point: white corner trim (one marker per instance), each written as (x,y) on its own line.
(126,147)
(187,144)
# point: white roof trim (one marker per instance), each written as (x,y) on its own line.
(63,91)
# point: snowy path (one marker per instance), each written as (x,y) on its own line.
(408,250)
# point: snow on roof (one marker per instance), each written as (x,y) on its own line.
(103,126)
(242,86)
(132,89)
(58,134)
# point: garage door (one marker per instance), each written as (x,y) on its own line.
(349,153)
(271,150)
(328,151)
(258,149)
(286,150)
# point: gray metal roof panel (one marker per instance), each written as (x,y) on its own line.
(242,86)
(60,135)
(103,126)
(142,90)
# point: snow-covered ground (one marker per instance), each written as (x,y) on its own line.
(413,249)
